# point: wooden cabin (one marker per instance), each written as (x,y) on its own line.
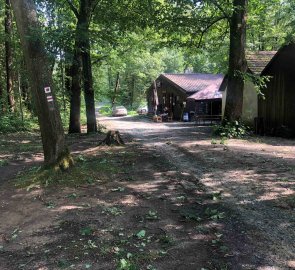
(277,110)
(192,93)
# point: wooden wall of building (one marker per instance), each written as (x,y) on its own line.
(278,107)
(169,96)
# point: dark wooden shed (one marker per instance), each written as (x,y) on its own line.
(277,110)
(174,91)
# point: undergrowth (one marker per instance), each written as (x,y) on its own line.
(13,123)
(234,129)
(87,170)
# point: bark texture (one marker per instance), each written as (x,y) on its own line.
(237,61)
(2,108)
(82,69)
(116,90)
(113,138)
(8,56)
(54,146)
(75,91)
(88,84)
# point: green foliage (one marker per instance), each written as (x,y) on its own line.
(141,39)
(106,110)
(85,171)
(269,24)
(87,231)
(126,264)
(230,130)
(13,123)
(260,82)
(141,234)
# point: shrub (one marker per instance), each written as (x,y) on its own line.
(13,123)
(230,130)
(106,110)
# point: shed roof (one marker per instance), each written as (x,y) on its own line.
(211,92)
(257,61)
(195,82)
(284,55)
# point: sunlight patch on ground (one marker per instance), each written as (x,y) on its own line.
(199,237)
(67,207)
(129,200)
(147,187)
(275,194)
(269,268)
(173,227)
(291,264)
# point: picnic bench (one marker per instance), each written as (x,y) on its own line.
(199,119)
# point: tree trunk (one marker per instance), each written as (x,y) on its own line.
(52,133)
(75,93)
(2,108)
(237,62)
(20,97)
(86,7)
(26,97)
(8,56)
(83,59)
(116,89)
(62,81)
(88,86)
(132,93)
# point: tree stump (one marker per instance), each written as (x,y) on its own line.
(113,138)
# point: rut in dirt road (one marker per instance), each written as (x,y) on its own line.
(255,180)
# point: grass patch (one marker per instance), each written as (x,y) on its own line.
(291,201)
(3,162)
(132,113)
(13,123)
(87,170)
(20,142)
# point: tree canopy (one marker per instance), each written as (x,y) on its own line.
(137,40)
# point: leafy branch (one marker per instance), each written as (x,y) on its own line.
(260,82)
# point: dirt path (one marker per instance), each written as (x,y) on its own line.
(255,179)
(128,208)
(171,199)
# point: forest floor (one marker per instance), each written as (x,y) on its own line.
(171,198)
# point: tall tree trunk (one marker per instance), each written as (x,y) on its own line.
(8,56)
(75,93)
(68,81)
(88,86)
(86,7)
(62,81)
(237,61)
(83,59)
(20,97)
(132,93)
(26,97)
(2,108)
(52,133)
(117,86)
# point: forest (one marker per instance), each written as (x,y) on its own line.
(133,40)
(163,195)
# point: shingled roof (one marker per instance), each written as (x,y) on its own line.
(257,61)
(195,82)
